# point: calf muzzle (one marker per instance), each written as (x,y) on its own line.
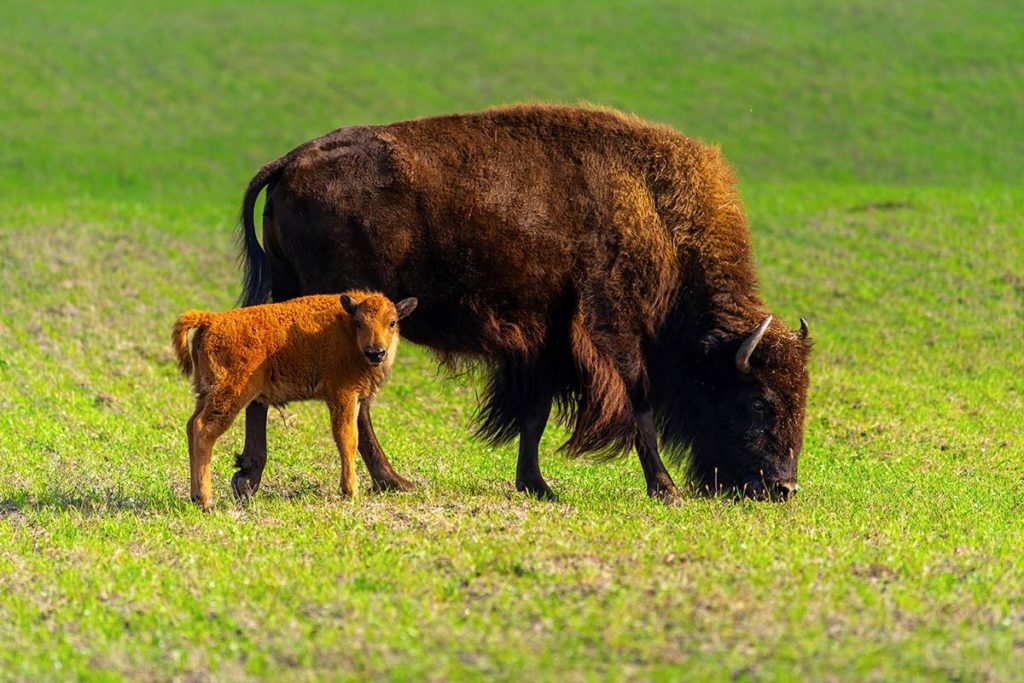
(375,355)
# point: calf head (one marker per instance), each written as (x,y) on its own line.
(751,430)
(375,323)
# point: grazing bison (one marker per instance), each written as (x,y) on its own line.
(338,349)
(588,260)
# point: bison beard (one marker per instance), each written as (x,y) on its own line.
(588,260)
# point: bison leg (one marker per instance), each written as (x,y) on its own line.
(659,481)
(381,472)
(531,428)
(253,458)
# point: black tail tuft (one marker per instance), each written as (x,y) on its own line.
(256,276)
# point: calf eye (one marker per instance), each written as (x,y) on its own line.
(392,324)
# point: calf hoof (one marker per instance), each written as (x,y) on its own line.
(393,482)
(242,486)
(537,489)
(204,504)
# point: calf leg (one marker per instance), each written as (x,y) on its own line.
(344,424)
(193,476)
(382,473)
(253,458)
(531,428)
(659,481)
(208,425)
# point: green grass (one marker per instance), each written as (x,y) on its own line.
(882,164)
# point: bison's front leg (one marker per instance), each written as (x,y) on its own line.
(531,428)
(659,481)
(381,472)
(253,458)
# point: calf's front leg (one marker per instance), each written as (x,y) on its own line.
(344,424)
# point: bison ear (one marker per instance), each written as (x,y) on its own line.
(348,304)
(712,341)
(406,306)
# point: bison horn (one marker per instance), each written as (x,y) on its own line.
(749,344)
(804,329)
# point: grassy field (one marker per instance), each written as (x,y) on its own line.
(881,157)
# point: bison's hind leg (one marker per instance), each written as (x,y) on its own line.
(284,285)
(253,458)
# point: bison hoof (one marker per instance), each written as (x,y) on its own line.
(242,486)
(539,490)
(393,482)
(670,495)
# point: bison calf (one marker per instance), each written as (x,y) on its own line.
(338,349)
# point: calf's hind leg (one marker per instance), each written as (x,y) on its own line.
(193,476)
(211,420)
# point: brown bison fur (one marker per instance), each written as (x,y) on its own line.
(338,349)
(585,257)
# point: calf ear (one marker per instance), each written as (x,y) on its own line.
(348,304)
(406,306)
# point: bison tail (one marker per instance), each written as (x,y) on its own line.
(602,419)
(179,338)
(256,275)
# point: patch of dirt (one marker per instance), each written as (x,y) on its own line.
(875,571)
(881,206)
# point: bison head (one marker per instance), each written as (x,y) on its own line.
(741,414)
(758,403)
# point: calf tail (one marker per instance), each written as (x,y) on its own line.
(256,276)
(179,337)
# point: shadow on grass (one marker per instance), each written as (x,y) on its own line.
(113,500)
(87,501)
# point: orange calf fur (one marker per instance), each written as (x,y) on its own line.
(335,348)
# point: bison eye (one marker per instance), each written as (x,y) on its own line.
(757,405)
(392,324)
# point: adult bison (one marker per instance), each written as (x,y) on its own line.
(587,259)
